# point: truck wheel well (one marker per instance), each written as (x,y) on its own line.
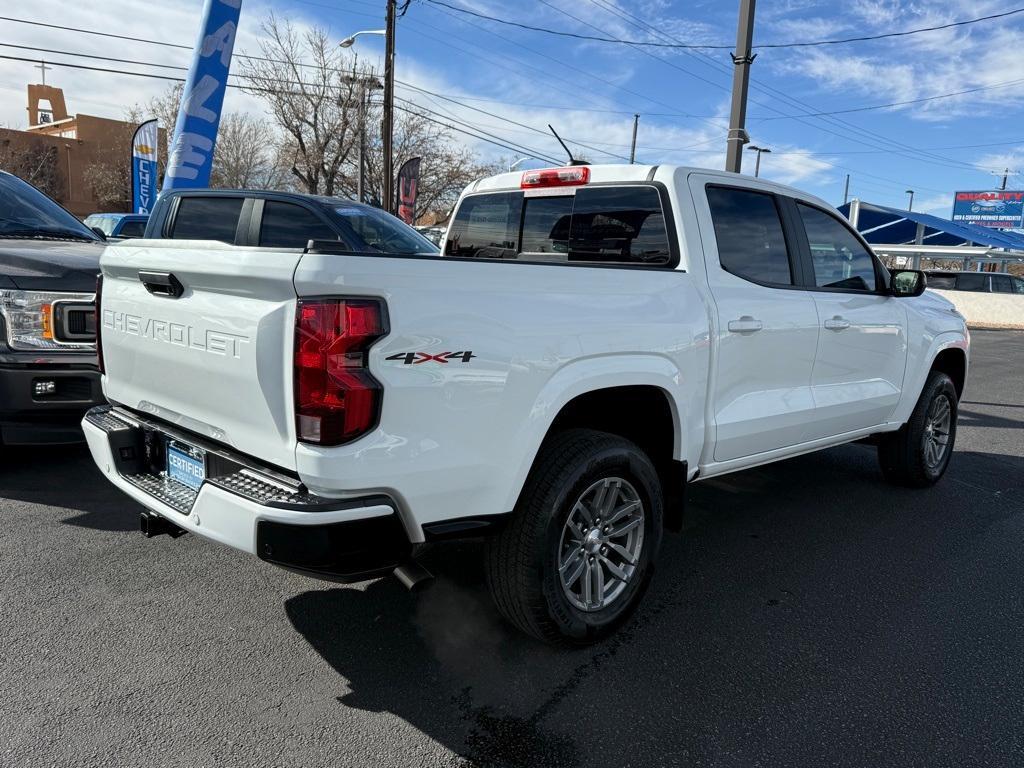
(953,363)
(642,415)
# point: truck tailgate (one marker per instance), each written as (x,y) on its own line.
(215,360)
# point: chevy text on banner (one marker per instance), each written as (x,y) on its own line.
(144,144)
(190,157)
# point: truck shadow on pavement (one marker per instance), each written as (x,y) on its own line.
(772,633)
(64,476)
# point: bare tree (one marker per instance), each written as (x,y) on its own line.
(445,169)
(164,107)
(312,93)
(247,156)
(36,164)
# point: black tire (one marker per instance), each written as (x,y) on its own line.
(522,560)
(903,455)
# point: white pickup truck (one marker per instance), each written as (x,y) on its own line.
(591,340)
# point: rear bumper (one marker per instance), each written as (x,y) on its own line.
(247,505)
(28,416)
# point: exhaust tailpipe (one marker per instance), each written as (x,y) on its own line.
(413,576)
(154,525)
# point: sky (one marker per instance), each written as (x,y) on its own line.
(511,82)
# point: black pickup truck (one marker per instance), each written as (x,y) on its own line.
(49,261)
(266,219)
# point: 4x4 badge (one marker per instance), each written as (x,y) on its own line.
(415,358)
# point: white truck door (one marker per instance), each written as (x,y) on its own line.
(862,348)
(767,329)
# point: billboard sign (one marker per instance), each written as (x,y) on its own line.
(144,167)
(999,209)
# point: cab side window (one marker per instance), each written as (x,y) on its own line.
(972,281)
(751,241)
(837,256)
(286,225)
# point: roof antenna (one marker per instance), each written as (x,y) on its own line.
(572,160)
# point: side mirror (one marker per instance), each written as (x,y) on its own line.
(99,233)
(909,282)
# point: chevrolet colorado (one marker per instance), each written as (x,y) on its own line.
(591,340)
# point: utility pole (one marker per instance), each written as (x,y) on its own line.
(1006,172)
(846,190)
(632,150)
(389,107)
(742,60)
(361,184)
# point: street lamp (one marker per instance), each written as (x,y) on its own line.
(387,128)
(348,41)
(512,166)
(760,151)
(910,203)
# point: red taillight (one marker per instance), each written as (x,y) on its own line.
(556,177)
(336,397)
(99,323)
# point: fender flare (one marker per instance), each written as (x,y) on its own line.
(913,387)
(590,375)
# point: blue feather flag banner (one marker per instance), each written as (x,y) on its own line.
(190,157)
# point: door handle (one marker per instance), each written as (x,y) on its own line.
(837,323)
(745,324)
(161,283)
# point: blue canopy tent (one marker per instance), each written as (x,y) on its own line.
(894,231)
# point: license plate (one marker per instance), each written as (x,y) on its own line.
(186,464)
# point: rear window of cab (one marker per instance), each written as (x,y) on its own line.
(613,225)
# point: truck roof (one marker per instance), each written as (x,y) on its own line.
(606,173)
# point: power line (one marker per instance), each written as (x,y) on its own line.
(302,83)
(699,46)
(936,97)
(496,140)
(897,148)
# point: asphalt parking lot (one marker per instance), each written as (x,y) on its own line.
(809,615)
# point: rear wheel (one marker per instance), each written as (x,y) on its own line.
(578,553)
(918,454)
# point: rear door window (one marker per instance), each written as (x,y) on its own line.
(286,225)
(972,281)
(599,225)
(207,218)
(751,241)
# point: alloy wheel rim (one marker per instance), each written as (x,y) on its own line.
(601,543)
(937,427)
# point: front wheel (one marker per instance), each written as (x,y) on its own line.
(918,454)
(578,553)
